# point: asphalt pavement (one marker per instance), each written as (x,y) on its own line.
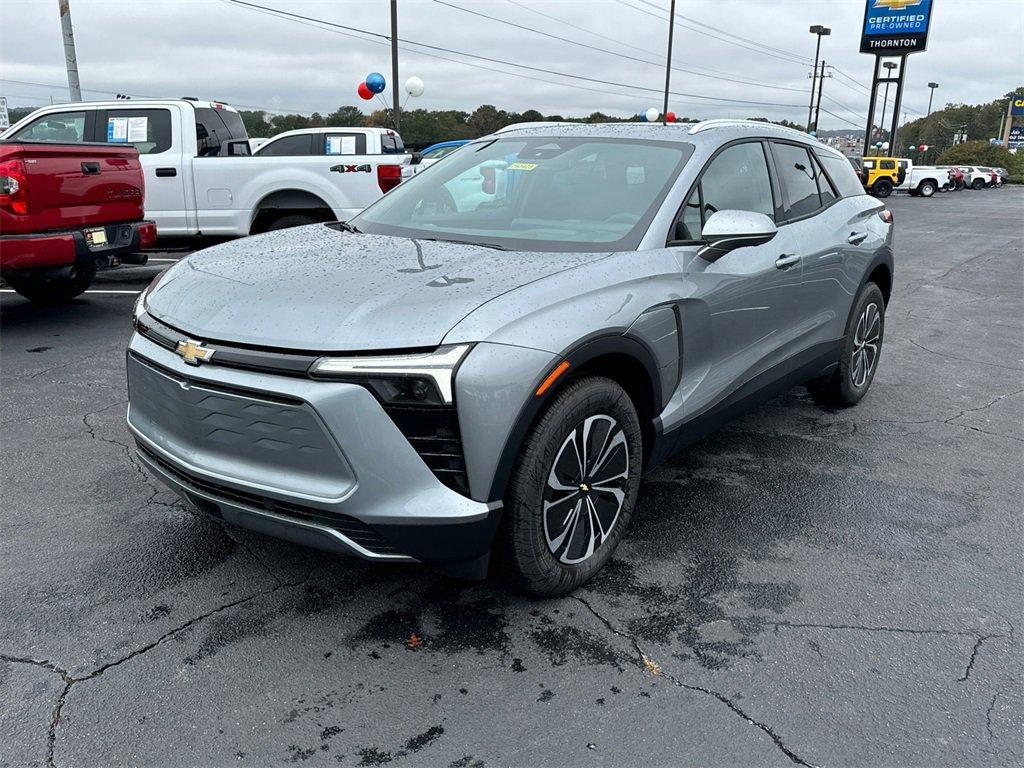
(833,588)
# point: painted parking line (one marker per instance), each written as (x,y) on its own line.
(11,290)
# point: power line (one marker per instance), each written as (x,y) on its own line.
(542,70)
(782,51)
(790,58)
(579,44)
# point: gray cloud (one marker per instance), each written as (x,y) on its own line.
(208,48)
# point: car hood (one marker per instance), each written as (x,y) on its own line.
(317,288)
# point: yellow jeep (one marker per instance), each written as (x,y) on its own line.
(880,175)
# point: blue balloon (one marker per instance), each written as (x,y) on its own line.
(375,82)
(643,118)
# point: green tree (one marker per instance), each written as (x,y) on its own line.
(486,119)
(255,122)
(531,116)
(346,116)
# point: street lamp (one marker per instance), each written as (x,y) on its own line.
(889,65)
(821,32)
(931,93)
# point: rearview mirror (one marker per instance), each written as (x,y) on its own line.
(725,231)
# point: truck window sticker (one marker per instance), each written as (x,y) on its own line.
(117,130)
(138,128)
(340,145)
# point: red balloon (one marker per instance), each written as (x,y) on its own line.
(922,148)
(670,117)
(364,92)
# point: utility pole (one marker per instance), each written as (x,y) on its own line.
(931,94)
(820,31)
(394,63)
(821,87)
(74,87)
(668,61)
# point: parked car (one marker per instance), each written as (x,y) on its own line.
(430,155)
(881,175)
(456,380)
(67,210)
(200,179)
(976,177)
(924,180)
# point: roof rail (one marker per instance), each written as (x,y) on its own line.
(705,125)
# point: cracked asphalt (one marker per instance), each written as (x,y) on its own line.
(810,587)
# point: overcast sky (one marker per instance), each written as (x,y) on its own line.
(214,49)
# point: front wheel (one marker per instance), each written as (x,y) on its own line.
(862,347)
(573,488)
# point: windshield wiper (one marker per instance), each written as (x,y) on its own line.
(495,246)
(345,226)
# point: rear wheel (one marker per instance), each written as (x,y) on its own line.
(978,184)
(54,290)
(927,188)
(573,488)
(862,347)
(882,188)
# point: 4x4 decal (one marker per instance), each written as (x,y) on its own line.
(364,168)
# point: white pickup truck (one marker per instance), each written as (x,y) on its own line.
(201,179)
(924,180)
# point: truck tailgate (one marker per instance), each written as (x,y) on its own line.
(76,185)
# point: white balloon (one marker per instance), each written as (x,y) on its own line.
(885,145)
(414,86)
(652,115)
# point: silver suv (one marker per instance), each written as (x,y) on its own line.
(477,369)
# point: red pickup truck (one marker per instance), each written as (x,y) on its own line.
(67,210)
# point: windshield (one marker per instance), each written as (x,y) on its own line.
(535,193)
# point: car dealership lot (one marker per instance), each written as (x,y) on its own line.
(824,588)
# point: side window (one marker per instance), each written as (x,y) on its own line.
(344,143)
(842,174)
(825,189)
(797,176)
(690,223)
(888,165)
(215,128)
(148,130)
(63,127)
(299,145)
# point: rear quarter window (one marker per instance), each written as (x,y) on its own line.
(842,174)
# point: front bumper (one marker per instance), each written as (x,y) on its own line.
(67,247)
(314,462)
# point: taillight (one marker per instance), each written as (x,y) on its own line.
(389,177)
(14,187)
(886,215)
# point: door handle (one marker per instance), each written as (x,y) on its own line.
(787,260)
(166,171)
(856,238)
(90,169)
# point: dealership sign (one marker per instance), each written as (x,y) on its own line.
(895,27)
(1017,106)
(1016,137)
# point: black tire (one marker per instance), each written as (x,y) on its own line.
(537,548)
(882,188)
(292,220)
(849,383)
(927,188)
(42,290)
(978,184)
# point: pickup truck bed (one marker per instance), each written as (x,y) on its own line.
(65,211)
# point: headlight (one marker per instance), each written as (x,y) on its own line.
(423,378)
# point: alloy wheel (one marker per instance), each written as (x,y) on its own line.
(866,343)
(586,488)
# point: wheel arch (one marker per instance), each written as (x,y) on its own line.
(624,359)
(288,201)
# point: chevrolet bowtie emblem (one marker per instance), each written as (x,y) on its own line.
(896,5)
(193,352)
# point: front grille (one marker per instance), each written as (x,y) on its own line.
(434,433)
(353,529)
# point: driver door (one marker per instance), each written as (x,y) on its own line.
(744,312)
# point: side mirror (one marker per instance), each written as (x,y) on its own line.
(416,158)
(726,231)
(240,147)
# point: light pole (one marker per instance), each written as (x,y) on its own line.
(70,59)
(821,32)
(890,66)
(394,65)
(931,94)
(668,60)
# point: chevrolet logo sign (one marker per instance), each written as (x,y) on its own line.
(896,5)
(193,352)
